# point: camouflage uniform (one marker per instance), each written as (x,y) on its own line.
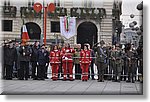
(132,64)
(78,70)
(109,62)
(100,62)
(117,63)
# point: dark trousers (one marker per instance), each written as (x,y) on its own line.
(111,65)
(77,71)
(92,70)
(9,71)
(46,68)
(3,71)
(24,70)
(34,66)
(124,70)
(100,68)
(41,72)
(117,71)
(131,72)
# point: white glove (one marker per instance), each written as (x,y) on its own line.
(37,63)
(63,57)
(66,58)
(23,53)
(46,64)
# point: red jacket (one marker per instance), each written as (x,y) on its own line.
(85,56)
(67,54)
(55,56)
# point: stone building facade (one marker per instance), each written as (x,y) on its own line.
(101,28)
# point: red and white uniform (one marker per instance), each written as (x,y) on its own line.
(55,63)
(85,61)
(67,60)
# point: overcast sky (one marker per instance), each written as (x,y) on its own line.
(128,8)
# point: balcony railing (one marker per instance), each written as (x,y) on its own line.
(59,11)
(26,12)
(92,13)
(9,11)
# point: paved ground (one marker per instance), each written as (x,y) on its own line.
(69,87)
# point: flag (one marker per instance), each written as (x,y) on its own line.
(25,36)
(68,26)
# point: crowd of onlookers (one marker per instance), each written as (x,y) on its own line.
(113,62)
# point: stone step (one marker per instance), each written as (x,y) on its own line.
(106,30)
(106,27)
(68,3)
(106,20)
(108,6)
(108,2)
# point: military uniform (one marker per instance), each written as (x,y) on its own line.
(124,65)
(132,65)
(100,62)
(140,60)
(117,64)
(108,64)
(111,64)
(77,65)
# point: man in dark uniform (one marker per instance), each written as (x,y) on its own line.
(42,62)
(10,57)
(92,64)
(35,49)
(100,60)
(46,67)
(4,47)
(140,60)
(25,55)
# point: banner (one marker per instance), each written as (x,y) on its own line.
(68,26)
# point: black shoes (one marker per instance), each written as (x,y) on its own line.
(20,79)
(46,77)
(100,81)
(26,78)
(8,78)
(35,79)
(93,78)
(128,81)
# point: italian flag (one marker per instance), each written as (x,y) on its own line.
(25,36)
(66,23)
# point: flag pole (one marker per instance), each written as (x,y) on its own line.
(41,38)
(45,21)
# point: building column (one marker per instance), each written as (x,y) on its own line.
(99,33)
(75,39)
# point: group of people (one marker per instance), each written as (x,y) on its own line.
(113,62)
